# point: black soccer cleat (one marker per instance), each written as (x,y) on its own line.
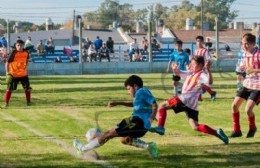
(236,134)
(251,133)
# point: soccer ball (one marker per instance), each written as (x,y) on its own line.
(92,133)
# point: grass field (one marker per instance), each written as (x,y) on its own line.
(64,107)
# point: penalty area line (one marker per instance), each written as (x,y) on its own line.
(54,140)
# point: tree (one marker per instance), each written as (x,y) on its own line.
(220,9)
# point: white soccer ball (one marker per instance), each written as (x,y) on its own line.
(92,133)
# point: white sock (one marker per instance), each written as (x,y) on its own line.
(91,145)
(137,142)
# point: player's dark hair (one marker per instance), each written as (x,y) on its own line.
(200,38)
(250,38)
(134,79)
(19,42)
(178,42)
(199,60)
(187,50)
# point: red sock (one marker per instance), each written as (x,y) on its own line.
(162,117)
(206,129)
(28,96)
(7,96)
(251,121)
(208,89)
(236,124)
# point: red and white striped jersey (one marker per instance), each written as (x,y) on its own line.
(192,87)
(252,81)
(203,52)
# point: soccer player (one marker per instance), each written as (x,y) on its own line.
(250,90)
(204,52)
(132,128)
(182,59)
(240,74)
(187,102)
(16,72)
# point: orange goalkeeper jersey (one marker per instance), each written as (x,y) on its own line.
(17,68)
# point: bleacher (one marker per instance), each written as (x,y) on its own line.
(48,58)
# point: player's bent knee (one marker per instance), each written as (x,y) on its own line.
(126,140)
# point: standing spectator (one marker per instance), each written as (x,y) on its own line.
(29,45)
(132,49)
(50,46)
(104,52)
(250,92)
(92,53)
(85,47)
(4,42)
(98,43)
(16,72)
(182,59)
(110,45)
(145,45)
(40,48)
(17,38)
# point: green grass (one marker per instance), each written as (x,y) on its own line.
(65,107)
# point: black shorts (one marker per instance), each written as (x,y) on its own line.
(132,127)
(12,84)
(178,107)
(241,73)
(246,93)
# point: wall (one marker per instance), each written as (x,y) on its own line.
(108,68)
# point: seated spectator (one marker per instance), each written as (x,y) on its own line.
(29,45)
(40,49)
(86,43)
(73,59)
(104,53)
(110,44)
(67,50)
(84,55)
(138,56)
(92,53)
(57,60)
(145,45)
(132,48)
(155,45)
(50,46)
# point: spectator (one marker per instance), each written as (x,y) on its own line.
(57,60)
(67,50)
(104,53)
(155,45)
(188,51)
(29,45)
(4,42)
(110,44)
(86,43)
(3,54)
(40,48)
(138,56)
(92,53)
(145,44)
(17,38)
(50,46)
(98,43)
(132,48)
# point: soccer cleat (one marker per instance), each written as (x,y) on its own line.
(29,104)
(158,130)
(153,150)
(78,146)
(236,134)
(221,135)
(5,105)
(251,133)
(213,96)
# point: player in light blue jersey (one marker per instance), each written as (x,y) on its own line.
(132,128)
(182,59)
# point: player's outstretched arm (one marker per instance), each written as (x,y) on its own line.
(124,103)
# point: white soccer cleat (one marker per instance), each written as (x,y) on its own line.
(78,146)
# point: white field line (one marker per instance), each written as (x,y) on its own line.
(68,148)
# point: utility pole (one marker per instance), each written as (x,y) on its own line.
(80,39)
(73,33)
(217,41)
(8,35)
(201,17)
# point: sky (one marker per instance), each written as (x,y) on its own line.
(59,11)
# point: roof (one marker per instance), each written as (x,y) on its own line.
(227,36)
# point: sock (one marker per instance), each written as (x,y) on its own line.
(162,117)
(137,142)
(206,129)
(91,145)
(236,124)
(251,121)
(28,96)
(7,96)
(208,89)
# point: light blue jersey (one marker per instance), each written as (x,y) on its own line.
(142,105)
(181,58)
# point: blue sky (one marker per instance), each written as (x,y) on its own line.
(61,10)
